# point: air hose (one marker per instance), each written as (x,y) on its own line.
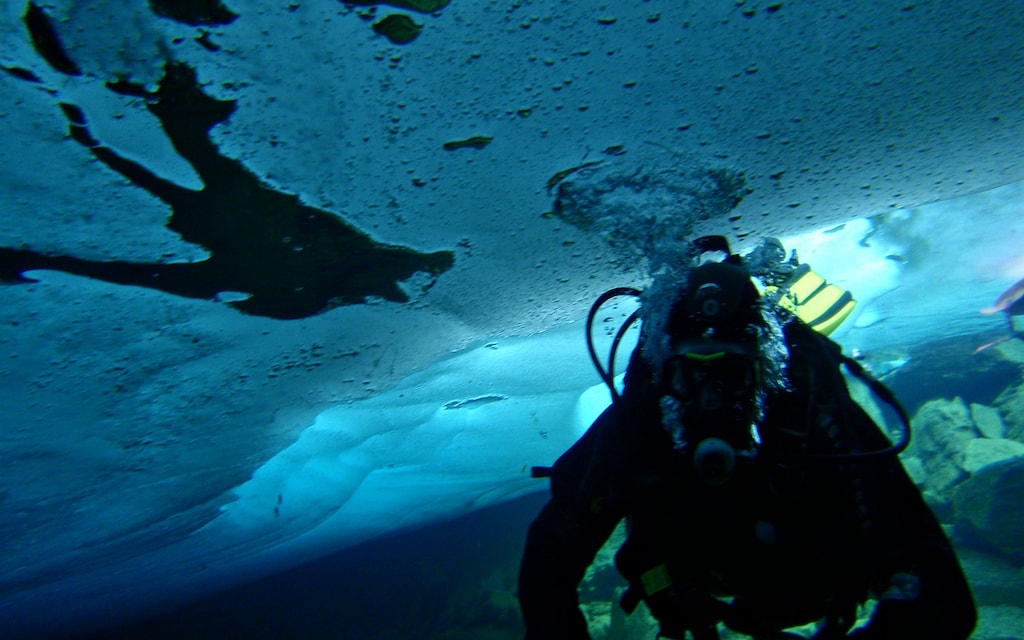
(608,375)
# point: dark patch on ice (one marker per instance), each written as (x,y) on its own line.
(293,260)
(423,6)
(22,74)
(206,42)
(474,402)
(46,42)
(398,28)
(193,12)
(9,272)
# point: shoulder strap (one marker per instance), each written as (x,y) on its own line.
(814,345)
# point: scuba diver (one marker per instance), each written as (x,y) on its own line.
(1010,303)
(756,493)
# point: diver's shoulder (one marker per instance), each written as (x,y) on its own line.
(798,332)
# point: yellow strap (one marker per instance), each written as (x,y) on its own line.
(704,358)
(821,305)
(813,308)
(818,303)
(830,323)
(805,286)
(656,579)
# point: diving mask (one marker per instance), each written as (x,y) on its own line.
(710,377)
(715,386)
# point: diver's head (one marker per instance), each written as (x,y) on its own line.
(711,382)
(768,262)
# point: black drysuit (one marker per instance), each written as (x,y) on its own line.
(791,538)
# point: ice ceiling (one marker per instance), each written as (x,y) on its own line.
(223,224)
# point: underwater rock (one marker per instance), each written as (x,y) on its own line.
(988,421)
(1011,406)
(999,623)
(1011,351)
(942,430)
(989,511)
(398,28)
(982,452)
(639,624)
(915,469)
(598,615)
(993,580)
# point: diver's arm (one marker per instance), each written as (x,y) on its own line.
(568,533)
(910,546)
(558,552)
(938,604)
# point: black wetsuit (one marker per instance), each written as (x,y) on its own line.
(791,540)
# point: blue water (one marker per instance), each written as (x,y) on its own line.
(457,580)
(450,581)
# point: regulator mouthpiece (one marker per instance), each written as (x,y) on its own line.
(714,461)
